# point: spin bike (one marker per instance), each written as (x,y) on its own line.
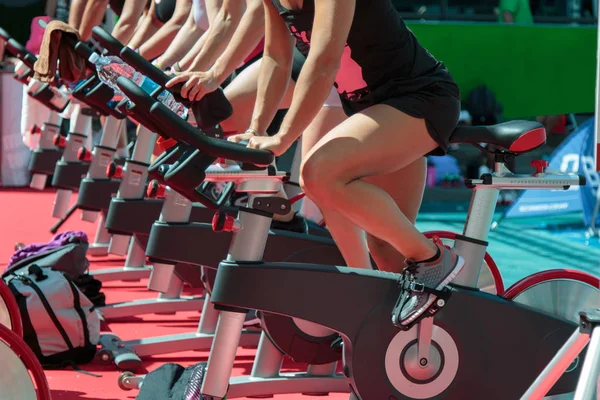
(456,350)
(174,231)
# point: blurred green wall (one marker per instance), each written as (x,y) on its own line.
(534,70)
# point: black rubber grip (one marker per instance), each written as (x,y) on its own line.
(112,45)
(84,50)
(176,128)
(144,66)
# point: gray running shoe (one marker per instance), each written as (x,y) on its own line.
(434,275)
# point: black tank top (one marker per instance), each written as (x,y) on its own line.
(382,58)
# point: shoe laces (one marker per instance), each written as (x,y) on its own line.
(412,266)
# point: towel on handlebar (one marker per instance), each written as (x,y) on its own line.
(57,45)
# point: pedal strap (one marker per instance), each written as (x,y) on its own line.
(417,287)
(408,289)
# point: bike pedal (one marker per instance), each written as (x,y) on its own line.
(442,297)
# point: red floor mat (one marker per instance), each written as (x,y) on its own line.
(26,217)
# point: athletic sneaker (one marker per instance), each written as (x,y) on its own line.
(434,274)
(296,224)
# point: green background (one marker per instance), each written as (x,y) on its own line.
(533,70)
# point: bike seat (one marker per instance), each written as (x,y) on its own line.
(513,136)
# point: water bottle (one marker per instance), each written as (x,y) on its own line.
(110,68)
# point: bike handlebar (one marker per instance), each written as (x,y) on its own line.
(19,51)
(179,129)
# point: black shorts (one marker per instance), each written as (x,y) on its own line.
(438,105)
(164,9)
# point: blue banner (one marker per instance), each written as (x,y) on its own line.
(587,168)
(573,155)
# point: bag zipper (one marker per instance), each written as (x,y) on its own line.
(48,308)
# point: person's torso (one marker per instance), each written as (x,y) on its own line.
(382,56)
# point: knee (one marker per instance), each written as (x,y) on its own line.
(316,179)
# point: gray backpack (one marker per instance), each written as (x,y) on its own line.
(60,323)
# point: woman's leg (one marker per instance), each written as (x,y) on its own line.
(406,187)
(241,93)
(349,238)
(378,141)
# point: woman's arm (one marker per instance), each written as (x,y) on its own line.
(183,42)
(186,62)
(76,13)
(333,19)
(245,39)
(148,27)
(133,10)
(212,7)
(220,33)
(161,40)
(92,16)
(275,70)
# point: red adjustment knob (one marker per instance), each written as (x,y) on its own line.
(59,140)
(35,130)
(539,166)
(222,222)
(84,154)
(113,170)
(156,190)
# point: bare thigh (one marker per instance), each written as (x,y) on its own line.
(377,141)
(384,148)
(241,93)
(405,186)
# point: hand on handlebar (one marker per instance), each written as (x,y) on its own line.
(274,144)
(197,84)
